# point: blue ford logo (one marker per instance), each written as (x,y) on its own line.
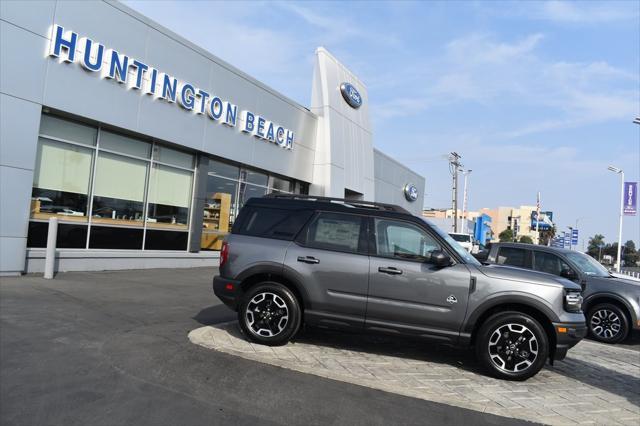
(351,95)
(410,192)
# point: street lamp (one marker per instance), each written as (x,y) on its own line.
(621,173)
(570,236)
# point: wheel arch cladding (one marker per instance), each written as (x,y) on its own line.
(262,276)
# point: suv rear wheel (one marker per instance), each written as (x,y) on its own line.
(512,346)
(269,314)
(607,323)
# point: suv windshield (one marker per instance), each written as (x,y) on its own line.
(454,245)
(587,264)
(463,238)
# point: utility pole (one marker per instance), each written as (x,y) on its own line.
(465,196)
(454,165)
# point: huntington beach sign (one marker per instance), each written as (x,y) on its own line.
(134,74)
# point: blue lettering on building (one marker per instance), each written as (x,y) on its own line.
(95,64)
(232,114)
(260,128)
(215,108)
(136,74)
(141,68)
(203,96)
(187,96)
(249,119)
(118,67)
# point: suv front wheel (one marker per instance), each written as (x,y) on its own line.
(269,314)
(512,346)
(607,323)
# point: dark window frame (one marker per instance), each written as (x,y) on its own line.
(363,239)
(373,244)
(247,212)
(561,258)
(527,258)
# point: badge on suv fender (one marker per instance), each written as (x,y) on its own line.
(452,299)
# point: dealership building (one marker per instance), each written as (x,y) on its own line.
(145,146)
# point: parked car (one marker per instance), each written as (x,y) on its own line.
(464,240)
(611,302)
(328,262)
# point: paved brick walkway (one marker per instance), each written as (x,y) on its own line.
(595,384)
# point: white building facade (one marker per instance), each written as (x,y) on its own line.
(145,146)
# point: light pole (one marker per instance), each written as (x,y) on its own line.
(621,173)
(465,195)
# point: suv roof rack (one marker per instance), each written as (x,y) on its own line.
(349,203)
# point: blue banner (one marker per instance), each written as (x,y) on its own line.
(630,200)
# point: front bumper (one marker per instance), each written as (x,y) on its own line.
(567,336)
(227,290)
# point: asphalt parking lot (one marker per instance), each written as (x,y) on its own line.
(111,348)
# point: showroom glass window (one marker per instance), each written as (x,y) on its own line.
(63,170)
(61,182)
(102,185)
(228,189)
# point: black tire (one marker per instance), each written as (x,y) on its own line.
(269,314)
(512,346)
(607,323)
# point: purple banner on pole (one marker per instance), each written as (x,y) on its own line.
(630,201)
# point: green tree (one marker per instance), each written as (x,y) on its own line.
(526,239)
(630,255)
(593,249)
(547,235)
(506,236)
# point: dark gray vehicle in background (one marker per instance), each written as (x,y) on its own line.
(355,265)
(611,304)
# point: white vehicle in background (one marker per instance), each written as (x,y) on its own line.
(465,240)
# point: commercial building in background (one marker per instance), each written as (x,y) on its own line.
(487,224)
(145,146)
(475,224)
(521,220)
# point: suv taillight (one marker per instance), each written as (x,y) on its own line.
(224,253)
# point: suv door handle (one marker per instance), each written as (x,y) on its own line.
(390,270)
(308,259)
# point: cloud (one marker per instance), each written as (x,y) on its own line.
(481,48)
(587,12)
(478,69)
(334,28)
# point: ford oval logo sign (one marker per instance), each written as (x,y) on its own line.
(351,95)
(410,192)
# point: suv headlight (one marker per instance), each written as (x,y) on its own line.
(573,301)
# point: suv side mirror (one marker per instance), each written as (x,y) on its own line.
(568,274)
(439,258)
(482,255)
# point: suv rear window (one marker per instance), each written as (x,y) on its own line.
(339,232)
(266,222)
(511,256)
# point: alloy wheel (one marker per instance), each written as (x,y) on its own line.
(513,347)
(267,314)
(605,324)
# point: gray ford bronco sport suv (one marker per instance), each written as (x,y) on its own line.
(611,304)
(356,265)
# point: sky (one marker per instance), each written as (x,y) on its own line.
(535,96)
